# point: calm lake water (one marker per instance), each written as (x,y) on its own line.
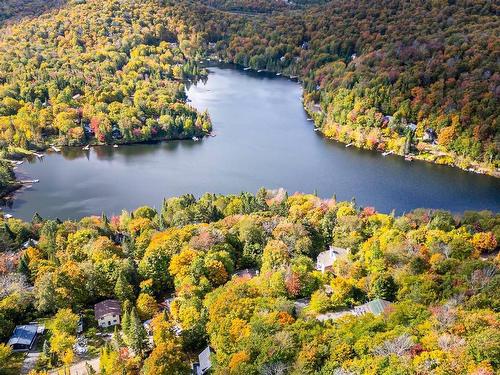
(263,139)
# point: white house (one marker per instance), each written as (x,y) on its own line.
(326,259)
(108,312)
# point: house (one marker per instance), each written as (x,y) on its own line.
(375,307)
(247,273)
(203,365)
(326,259)
(108,312)
(23,337)
(429,135)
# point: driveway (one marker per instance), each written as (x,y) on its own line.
(29,362)
(79,368)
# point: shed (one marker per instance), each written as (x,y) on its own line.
(23,337)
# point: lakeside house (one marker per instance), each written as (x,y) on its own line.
(108,312)
(204,364)
(23,337)
(326,259)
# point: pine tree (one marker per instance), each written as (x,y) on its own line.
(123,289)
(37,219)
(137,337)
(23,266)
(125,319)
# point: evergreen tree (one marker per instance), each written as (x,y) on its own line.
(125,322)
(137,337)
(23,266)
(123,290)
(37,219)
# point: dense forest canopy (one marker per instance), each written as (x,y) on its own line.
(439,271)
(416,78)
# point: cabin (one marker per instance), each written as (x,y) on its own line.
(376,307)
(108,313)
(326,259)
(23,337)
(204,364)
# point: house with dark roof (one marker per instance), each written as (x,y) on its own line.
(23,337)
(204,364)
(326,259)
(108,312)
(375,307)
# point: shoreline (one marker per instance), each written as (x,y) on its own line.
(8,193)
(421,157)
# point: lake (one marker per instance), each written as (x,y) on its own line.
(262,138)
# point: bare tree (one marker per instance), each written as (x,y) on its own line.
(449,342)
(398,346)
(480,278)
(276,368)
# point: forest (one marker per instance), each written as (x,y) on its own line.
(415,79)
(240,274)
(438,270)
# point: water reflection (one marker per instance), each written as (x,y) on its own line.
(263,139)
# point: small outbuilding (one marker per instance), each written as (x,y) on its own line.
(326,259)
(23,337)
(108,313)
(204,364)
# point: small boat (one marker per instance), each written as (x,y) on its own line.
(278,74)
(196,139)
(38,155)
(86,148)
(309,119)
(7,216)
(316,129)
(29,181)
(260,71)
(348,145)
(408,157)
(55,149)
(247,68)
(387,153)
(293,77)
(115,146)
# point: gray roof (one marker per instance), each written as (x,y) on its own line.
(376,307)
(109,306)
(204,360)
(327,258)
(23,335)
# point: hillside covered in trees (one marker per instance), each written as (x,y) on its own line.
(413,78)
(439,271)
(115,75)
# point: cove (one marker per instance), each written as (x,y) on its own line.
(262,138)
